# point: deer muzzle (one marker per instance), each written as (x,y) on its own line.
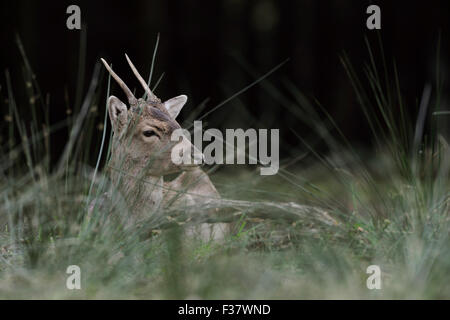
(186,155)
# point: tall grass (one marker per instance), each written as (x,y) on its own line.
(391,207)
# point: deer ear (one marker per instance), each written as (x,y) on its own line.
(174,105)
(117,113)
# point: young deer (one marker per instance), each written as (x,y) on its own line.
(141,155)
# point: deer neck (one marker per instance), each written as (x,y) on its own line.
(143,194)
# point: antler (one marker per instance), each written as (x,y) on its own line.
(131,98)
(150,94)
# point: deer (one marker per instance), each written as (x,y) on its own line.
(141,156)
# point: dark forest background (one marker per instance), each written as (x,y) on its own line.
(206,49)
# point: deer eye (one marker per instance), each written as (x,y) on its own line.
(149,133)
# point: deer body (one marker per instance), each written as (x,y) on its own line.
(141,155)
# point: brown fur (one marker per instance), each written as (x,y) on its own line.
(139,163)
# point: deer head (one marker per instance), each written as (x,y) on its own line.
(142,132)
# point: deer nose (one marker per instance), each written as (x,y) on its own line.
(198,156)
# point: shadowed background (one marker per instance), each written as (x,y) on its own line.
(212,49)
